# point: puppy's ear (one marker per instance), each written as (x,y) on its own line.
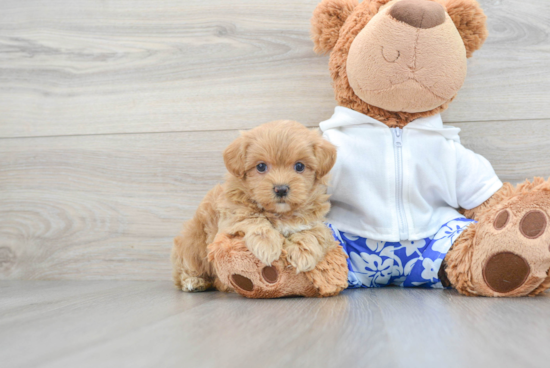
(470,20)
(234,157)
(328,17)
(325,153)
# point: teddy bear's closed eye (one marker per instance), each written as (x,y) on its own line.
(389,55)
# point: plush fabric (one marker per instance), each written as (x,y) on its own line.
(240,271)
(328,18)
(427,67)
(418,13)
(475,250)
(466,15)
(470,20)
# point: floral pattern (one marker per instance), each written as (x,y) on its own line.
(374,263)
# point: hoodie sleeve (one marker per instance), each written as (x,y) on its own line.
(476,179)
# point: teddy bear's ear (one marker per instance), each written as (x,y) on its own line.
(234,157)
(469,19)
(328,17)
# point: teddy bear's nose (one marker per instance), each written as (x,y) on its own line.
(419,13)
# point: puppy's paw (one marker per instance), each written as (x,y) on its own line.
(301,259)
(265,244)
(194,284)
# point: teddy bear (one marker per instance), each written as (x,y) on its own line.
(411,206)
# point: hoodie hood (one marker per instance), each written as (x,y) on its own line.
(343,117)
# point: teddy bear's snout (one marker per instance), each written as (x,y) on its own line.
(422,14)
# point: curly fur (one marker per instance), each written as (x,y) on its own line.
(247,206)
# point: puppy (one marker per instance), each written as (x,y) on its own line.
(274,197)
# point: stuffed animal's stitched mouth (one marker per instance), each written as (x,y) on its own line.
(398,84)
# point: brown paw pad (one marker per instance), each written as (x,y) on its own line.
(533,224)
(505,272)
(241,282)
(270,274)
(501,220)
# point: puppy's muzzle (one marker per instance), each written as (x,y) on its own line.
(281,190)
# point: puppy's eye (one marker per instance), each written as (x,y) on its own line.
(261,167)
(299,167)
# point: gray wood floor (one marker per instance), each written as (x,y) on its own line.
(150,324)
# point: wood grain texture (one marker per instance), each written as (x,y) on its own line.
(95,67)
(107,206)
(150,324)
(101,206)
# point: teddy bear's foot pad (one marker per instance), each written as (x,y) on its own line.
(269,274)
(508,249)
(505,272)
(242,282)
(239,269)
(524,264)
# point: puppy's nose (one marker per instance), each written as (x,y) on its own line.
(281,190)
(419,13)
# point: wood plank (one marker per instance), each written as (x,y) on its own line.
(145,324)
(517,149)
(95,67)
(107,207)
(430,328)
(42,321)
(101,207)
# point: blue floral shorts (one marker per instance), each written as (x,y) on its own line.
(374,263)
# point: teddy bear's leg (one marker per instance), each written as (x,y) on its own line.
(330,276)
(506,253)
(238,270)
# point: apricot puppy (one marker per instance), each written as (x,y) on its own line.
(274,197)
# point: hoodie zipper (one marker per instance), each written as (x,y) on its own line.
(398,155)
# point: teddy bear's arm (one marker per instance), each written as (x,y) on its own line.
(502,193)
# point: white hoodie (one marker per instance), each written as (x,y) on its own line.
(401,184)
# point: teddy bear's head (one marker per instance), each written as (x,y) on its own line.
(398,60)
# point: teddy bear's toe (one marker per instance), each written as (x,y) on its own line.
(269,275)
(242,282)
(258,281)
